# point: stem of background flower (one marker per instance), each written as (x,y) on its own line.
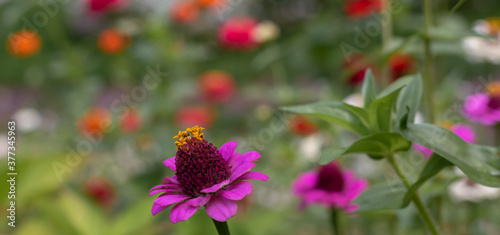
(429,67)
(334,219)
(416,198)
(386,41)
(497,135)
(222,227)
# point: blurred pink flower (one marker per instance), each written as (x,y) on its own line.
(330,187)
(216,86)
(205,176)
(463,131)
(482,108)
(237,33)
(194,115)
(130,121)
(102,6)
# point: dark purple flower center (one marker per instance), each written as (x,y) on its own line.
(199,165)
(330,178)
(494,102)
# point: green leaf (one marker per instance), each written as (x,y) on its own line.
(409,98)
(378,144)
(382,196)
(480,163)
(380,112)
(432,167)
(368,88)
(135,219)
(398,84)
(459,3)
(361,113)
(332,111)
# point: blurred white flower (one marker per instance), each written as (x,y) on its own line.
(419,118)
(480,49)
(27,119)
(467,190)
(354,99)
(310,147)
(265,31)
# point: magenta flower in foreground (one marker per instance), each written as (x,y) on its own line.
(463,131)
(330,187)
(205,176)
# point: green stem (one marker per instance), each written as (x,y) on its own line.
(416,198)
(497,135)
(334,217)
(222,227)
(428,60)
(386,42)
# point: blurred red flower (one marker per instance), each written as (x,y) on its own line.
(237,33)
(130,121)
(216,86)
(300,125)
(184,11)
(112,41)
(356,68)
(24,43)
(211,3)
(96,121)
(100,190)
(194,115)
(356,9)
(400,65)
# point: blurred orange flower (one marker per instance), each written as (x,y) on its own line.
(24,43)
(211,3)
(112,41)
(300,125)
(216,86)
(96,121)
(185,11)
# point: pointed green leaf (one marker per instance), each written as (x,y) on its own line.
(432,167)
(378,144)
(368,88)
(380,112)
(382,196)
(332,111)
(409,98)
(361,113)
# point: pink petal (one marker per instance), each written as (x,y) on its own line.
(216,187)
(233,158)
(169,185)
(156,209)
(221,209)
(227,149)
(169,199)
(237,191)
(305,182)
(172,180)
(169,190)
(170,163)
(200,201)
(241,170)
(246,158)
(253,175)
(182,212)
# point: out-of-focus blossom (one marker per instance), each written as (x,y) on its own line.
(113,41)
(463,131)
(212,3)
(237,33)
(300,125)
(24,43)
(104,6)
(205,176)
(355,99)
(400,65)
(265,31)
(467,190)
(96,121)
(356,9)
(329,186)
(479,49)
(484,108)
(310,147)
(185,11)
(27,119)
(356,68)
(101,191)
(130,121)
(216,86)
(194,115)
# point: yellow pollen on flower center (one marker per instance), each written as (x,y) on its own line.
(185,137)
(493,89)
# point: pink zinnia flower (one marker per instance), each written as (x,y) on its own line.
(237,33)
(205,176)
(463,131)
(330,187)
(484,108)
